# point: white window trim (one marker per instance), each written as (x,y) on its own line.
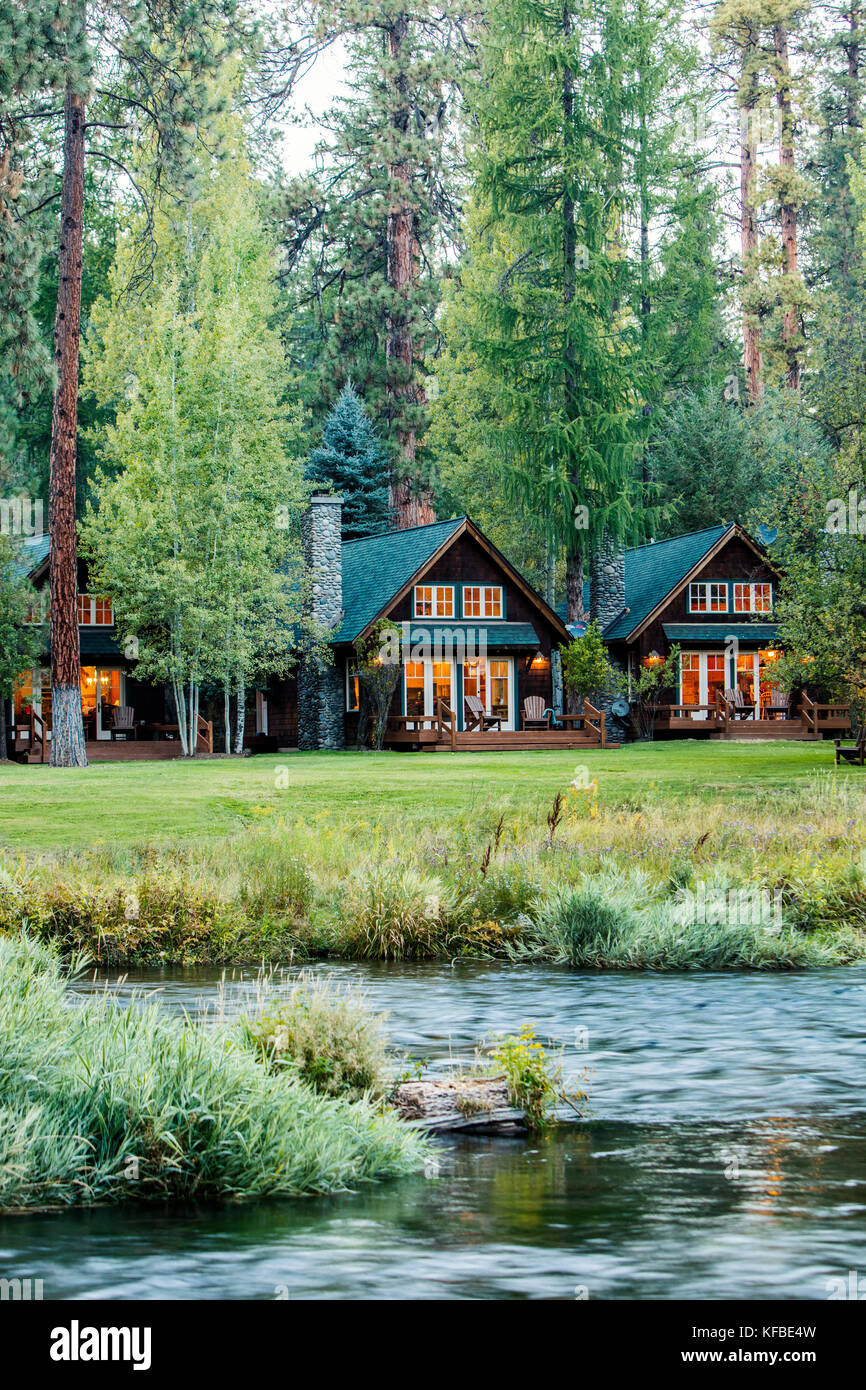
(752,585)
(428,689)
(482,616)
(707,584)
(434,616)
(90,620)
(350,672)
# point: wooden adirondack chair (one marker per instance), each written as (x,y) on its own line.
(533,712)
(737,699)
(123,722)
(778,705)
(857,754)
(475,716)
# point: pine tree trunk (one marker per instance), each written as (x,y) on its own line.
(67,729)
(752,358)
(4,751)
(788,210)
(411,504)
(574,609)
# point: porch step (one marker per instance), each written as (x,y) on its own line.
(99,751)
(766,729)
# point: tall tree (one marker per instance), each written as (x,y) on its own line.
(367,234)
(197,519)
(142,67)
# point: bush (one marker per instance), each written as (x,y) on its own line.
(392,912)
(99,1104)
(332,1039)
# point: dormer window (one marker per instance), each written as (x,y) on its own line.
(434,601)
(482,601)
(708,597)
(94,612)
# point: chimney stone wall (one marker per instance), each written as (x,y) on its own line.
(321,693)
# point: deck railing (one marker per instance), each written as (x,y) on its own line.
(204,738)
(819,717)
(447,723)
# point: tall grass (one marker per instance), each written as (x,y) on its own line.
(101,1104)
(474,883)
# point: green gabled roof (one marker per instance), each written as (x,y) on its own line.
(376,568)
(717,632)
(652,571)
(34,550)
(94,641)
(497,636)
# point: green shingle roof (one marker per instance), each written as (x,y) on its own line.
(376,568)
(717,632)
(93,642)
(34,549)
(651,571)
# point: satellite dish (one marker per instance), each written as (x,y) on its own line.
(620,708)
(767,534)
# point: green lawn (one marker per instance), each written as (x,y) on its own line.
(163,802)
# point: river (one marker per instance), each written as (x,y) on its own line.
(725,1155)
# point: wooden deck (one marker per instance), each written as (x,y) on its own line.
(720,721)
(121,751)
(438,733)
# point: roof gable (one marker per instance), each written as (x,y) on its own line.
(376,568)
(653,572)
(379,570)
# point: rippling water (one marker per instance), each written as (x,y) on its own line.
(725,1156)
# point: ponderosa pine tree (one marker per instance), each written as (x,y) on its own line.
(352,461)
(363,239)
(141,66)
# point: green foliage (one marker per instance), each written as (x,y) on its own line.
(351,462)
(102,1104)
(394,912)
(195,531)
(330,1038)
(20,643)
(378,665)
(586,669)
(535,1081)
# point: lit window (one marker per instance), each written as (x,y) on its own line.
(353,691)
(708,598)
(482,601)
(753,598)
(94,612)
(472,603)
(434,601)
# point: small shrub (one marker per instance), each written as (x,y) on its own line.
(535,1082)
(332,1039)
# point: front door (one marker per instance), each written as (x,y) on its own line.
(425,683)
(492,680)
(702,676)
(100,696)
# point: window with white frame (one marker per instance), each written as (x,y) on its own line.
(94,612)
(708,597)
(434,601)
(353,691)
(482,601)
(753,598)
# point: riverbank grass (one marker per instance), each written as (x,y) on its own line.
(100,1104)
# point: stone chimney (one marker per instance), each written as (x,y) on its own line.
(607,582)
(606,602)
(321,692)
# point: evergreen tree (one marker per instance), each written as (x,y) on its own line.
(20,642)
(142,67)
(364,239)
(351,461)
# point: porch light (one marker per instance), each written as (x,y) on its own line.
(653,659)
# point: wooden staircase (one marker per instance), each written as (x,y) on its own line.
(762,729)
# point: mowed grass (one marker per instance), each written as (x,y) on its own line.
(166,803)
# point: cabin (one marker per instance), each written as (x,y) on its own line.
(711,593)
(478,650)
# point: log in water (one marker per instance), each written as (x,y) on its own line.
(456,1103)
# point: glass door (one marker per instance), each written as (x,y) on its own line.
(702,677)
(493,682)
(100,696)
(427,682)
(748,679)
